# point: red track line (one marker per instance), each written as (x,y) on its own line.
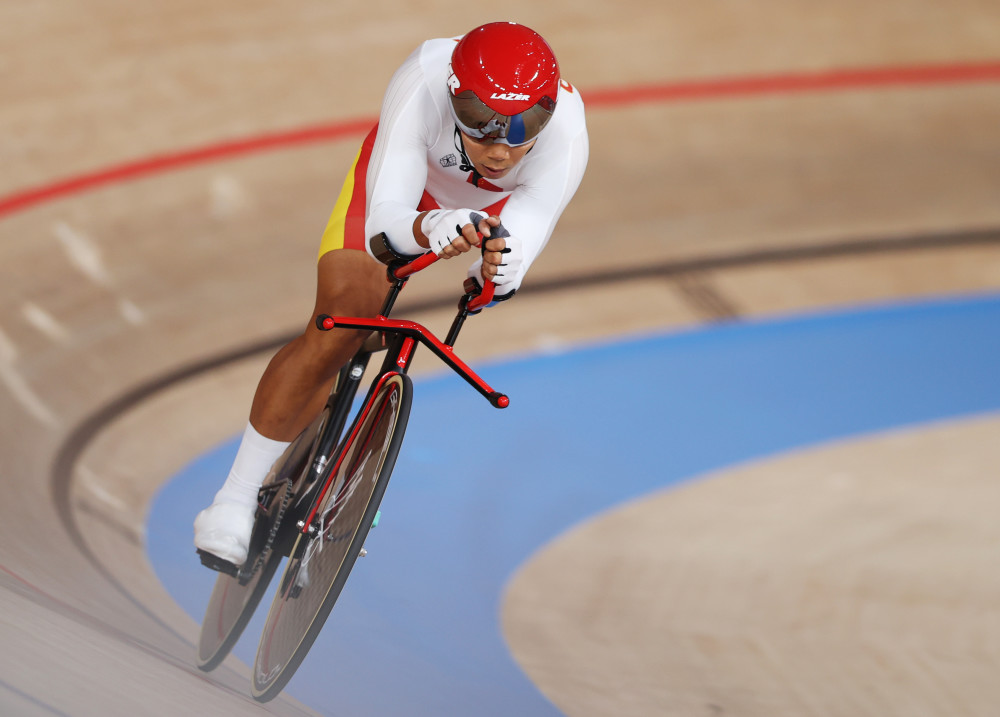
(921,75)
(857,79)
(161,163)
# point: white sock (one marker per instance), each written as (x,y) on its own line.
(253,460)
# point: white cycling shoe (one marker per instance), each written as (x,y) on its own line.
(223,529)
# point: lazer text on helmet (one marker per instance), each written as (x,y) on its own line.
(509,96)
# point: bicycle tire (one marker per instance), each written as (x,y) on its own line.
(234,598)
(346,511)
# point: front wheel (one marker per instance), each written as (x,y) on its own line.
(323,557)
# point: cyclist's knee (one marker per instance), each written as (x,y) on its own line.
(322,353)
(350,283)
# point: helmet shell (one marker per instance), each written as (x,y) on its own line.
(508,66)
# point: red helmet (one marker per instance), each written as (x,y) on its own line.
(504,83)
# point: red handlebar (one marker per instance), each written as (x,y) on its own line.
(484,298)
(425,260)
(421,262)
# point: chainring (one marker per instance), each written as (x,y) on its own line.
(275,519)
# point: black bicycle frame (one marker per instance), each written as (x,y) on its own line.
(399,339)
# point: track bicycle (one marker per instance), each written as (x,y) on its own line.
(322,496)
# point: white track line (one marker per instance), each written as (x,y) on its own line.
(18,387)
(85,256)
(83,253)
(45,322)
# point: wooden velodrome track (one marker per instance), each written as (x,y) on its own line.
(854,157)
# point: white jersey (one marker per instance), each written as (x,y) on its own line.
(417,149)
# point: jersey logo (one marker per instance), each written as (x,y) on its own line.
(449,160)
(509,96)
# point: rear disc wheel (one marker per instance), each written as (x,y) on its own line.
(235,597)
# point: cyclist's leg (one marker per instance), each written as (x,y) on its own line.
(290,394)
(291,391)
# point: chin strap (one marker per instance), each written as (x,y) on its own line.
(466,165)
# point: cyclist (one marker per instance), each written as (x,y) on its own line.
(483,122)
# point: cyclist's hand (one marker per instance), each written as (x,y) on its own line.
(450,232)
(493,255)
(502,264)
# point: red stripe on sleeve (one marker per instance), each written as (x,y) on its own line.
(354,221)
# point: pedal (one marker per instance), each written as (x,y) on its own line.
(214,562)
